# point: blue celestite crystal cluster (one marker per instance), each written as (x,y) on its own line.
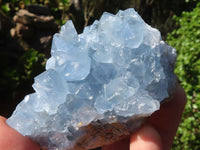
(117,70)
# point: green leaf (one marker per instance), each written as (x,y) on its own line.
(5,8)
(186,40)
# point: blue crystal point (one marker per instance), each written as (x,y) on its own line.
(99,85)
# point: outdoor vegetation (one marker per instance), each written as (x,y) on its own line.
(178,21)
(186,39)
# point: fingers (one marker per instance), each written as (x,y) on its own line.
(167,119)
(161,127)
(157,135)
(12,140)
(120,145)
(147,138)
(164,123)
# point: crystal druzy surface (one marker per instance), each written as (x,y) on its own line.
(99,85)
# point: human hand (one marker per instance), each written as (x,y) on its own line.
(157,134)
(159,131)
(10,139)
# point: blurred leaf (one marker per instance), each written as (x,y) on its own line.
(186,40)
(5,8)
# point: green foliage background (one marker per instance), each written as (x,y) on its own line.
(17,74)
(186,39)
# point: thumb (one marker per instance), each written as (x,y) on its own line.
(147,138)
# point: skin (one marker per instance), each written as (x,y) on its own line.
(157,134)
(159,131)
(10,139)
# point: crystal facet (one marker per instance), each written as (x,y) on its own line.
(98,86)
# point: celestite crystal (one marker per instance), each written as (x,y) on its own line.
(98,86)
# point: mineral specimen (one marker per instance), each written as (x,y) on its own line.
(98,86)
